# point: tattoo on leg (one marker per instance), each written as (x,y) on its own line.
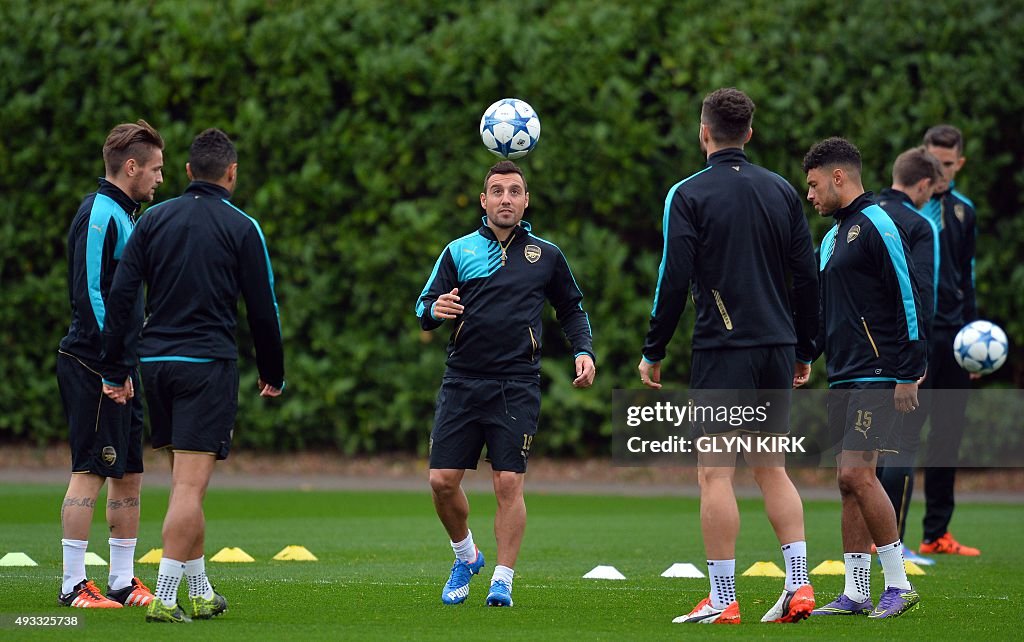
(125,502)
(84,502)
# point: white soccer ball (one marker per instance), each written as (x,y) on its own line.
(510,128)
(981,347)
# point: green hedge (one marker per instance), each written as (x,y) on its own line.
(356,126)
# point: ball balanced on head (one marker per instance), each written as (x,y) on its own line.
(510,128)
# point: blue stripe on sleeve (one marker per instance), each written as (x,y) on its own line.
(828,245)
(664,230)
(891,237)
(426,288)
(266,255)
(937,254)
(103,209)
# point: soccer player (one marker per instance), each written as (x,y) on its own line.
(954,215)
(737,232)
(105,437)
(492,284)
(914,175)
(196,254)
(875,354)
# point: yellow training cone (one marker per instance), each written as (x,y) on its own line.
(92,559)
(295,554)
(152,557)
(912,568)
(764,569)
(17,559)
(830,567)
(231,554)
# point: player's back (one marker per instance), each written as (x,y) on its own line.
(194,247)
(751,234)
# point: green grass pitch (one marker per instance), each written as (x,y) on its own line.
(383,558)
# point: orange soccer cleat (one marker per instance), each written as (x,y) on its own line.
(85,595)
(946,545)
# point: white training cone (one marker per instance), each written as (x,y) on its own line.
(682,569)
(604,573)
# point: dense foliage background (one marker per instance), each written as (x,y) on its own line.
(356,124)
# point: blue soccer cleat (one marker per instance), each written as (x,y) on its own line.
(910,556)
(895,602)
(843,605)
(457,589)
(500,595)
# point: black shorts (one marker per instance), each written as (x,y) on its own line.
(750,389)
(863,417)
(501,413)
(192,406)
(105,436)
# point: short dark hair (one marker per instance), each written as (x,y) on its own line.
(915,165)
(728,113)
(832,152)
(130,140)
(944,136)
(210,155)
(504,167)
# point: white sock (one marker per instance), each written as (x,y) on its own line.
(74,563)
(466,549)
(168,580)
(122,562)
(795,555)
(891,556)
(858,576)
(503,573)
(723,582)
(198,583)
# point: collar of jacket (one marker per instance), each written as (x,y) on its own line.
(898,195)
(202,188)
(114,192)
(729,155)
(940,195)
(858,204)
(488,233)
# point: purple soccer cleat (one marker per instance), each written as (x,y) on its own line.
(843,605)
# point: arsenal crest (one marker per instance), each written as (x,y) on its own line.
(532,253)
(853,233)
(109,455)
(958,211)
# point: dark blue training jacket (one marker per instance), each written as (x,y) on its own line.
(871,314)
(500,334)
(196,254)
(736,230)
(96,242)
(923,241)
(954,215)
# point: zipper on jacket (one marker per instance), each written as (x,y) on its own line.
(721,309)
(455,339)
(533,345)
(870,338)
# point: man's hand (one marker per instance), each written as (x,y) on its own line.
(650,373)
(267,390)
(976,375)
(447,305)
(905,397)
(120,394)
(801,373)
(585,371)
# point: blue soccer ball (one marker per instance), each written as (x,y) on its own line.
(510,128)
(980,347)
